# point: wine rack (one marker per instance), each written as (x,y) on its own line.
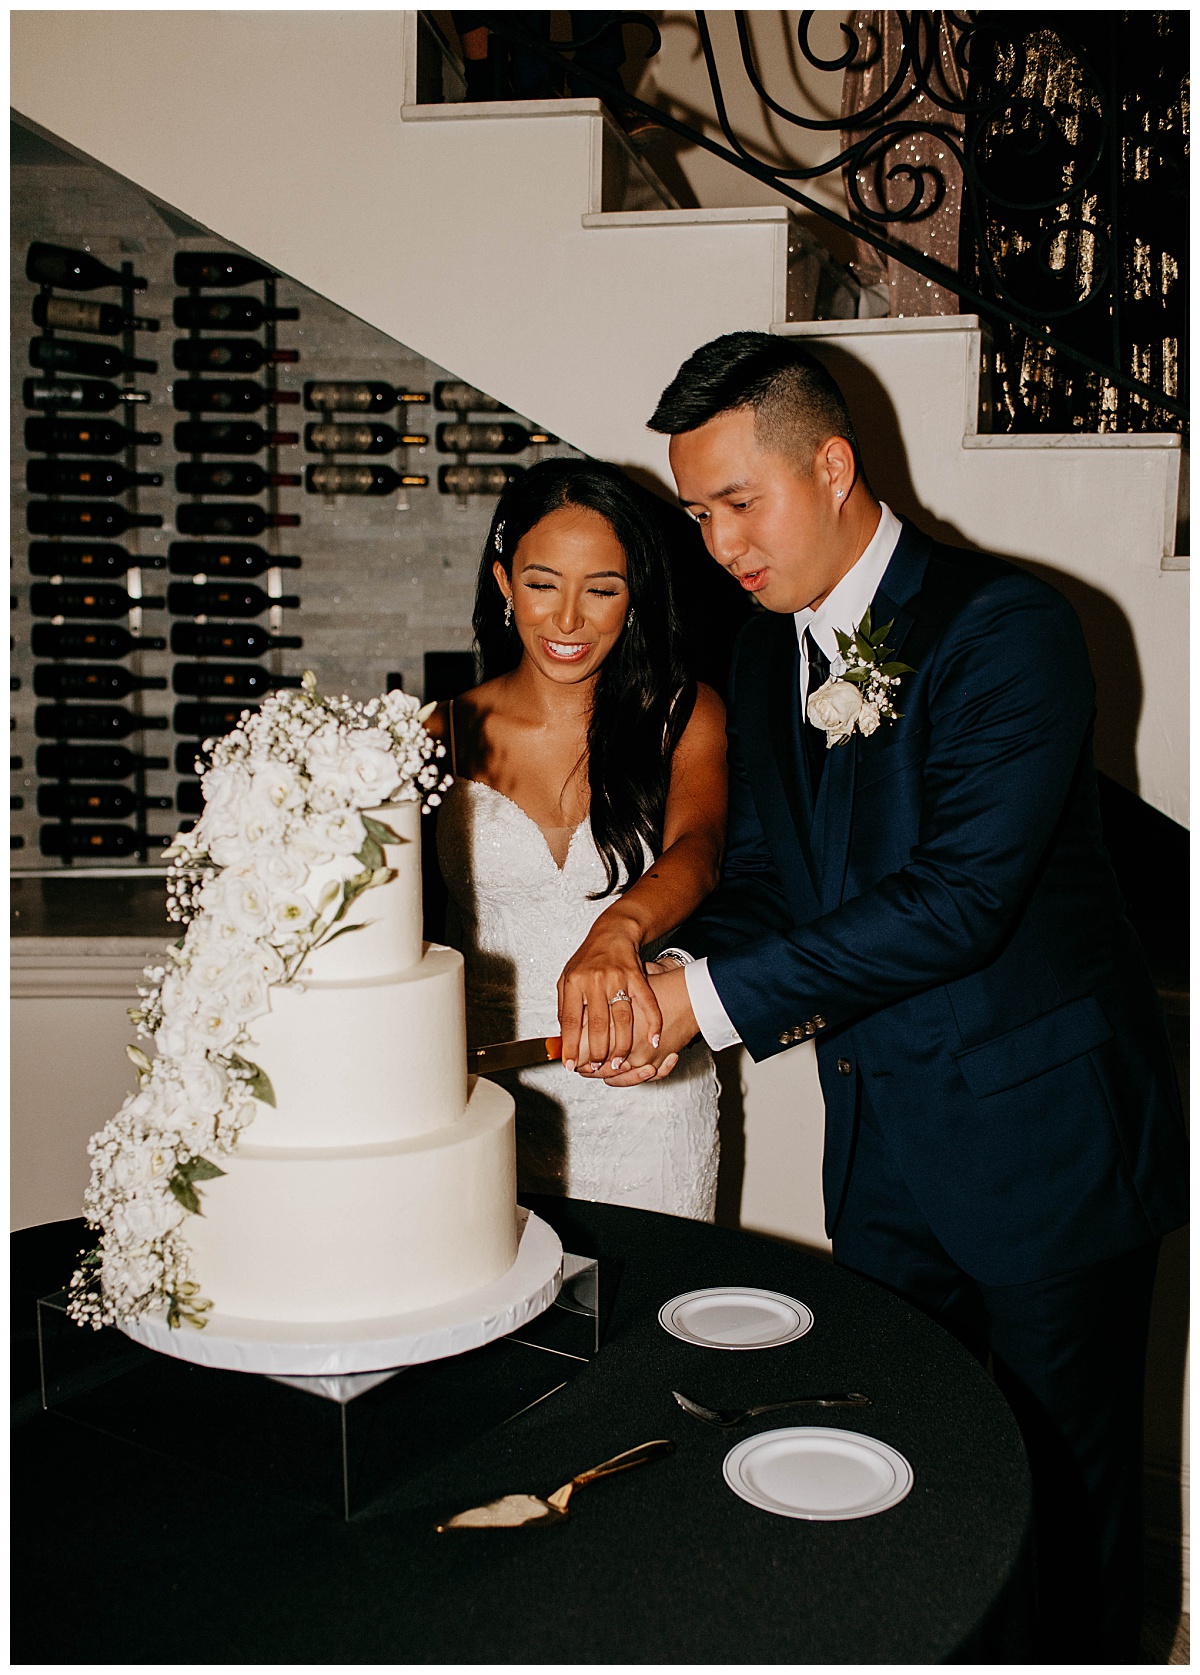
(89,587)
(365,441)
(467,435)
(227,334)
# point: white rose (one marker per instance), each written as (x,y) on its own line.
(246,902)
(229,847)
(372,769)
(868,719)
(138,1166)
(310,845)
(277,785)
(138,1220)
(178,1036)
(282,868)
(218,1021)
(331,788)
(244,993)
(342,831)
(131,1275)
(835,708)
(291,915)
(202,1089)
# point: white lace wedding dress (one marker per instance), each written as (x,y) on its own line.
(517,918)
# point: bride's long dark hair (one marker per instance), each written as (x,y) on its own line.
(643,695)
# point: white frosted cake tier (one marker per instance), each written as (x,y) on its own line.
(365,1233)
(363,1064)
(391,913)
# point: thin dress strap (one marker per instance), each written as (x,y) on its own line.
(453,751)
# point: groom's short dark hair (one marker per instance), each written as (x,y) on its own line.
(796,403)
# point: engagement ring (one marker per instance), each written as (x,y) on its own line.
(620,995)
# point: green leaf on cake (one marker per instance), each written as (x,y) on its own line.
(344,930)
(380,832)
(183,1190)
(255,1078)
(371,854)
(201,1169)
(139,1060)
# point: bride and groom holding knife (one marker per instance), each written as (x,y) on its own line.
(889,845)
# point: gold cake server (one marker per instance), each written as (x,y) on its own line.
(510,1512)
(514,1055)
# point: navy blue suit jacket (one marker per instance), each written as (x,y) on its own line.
(947,910)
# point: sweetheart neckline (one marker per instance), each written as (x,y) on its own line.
(463,779)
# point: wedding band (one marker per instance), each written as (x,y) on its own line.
(620,995)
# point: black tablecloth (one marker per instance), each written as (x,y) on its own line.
(121,1558)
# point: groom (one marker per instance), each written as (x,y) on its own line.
(914,878)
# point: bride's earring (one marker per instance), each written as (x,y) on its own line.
(508,613)
(629,618)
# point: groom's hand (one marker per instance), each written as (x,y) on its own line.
(645,1063)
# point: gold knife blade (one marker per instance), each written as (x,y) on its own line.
(514,1055)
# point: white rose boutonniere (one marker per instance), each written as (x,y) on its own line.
(859,697)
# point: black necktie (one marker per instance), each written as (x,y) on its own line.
(814,737)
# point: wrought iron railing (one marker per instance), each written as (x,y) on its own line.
(1066,134)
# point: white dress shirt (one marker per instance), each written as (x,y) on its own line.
(843,608)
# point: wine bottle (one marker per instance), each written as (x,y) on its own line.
(463,438)
(450,396)
(50,640)
(359,439)
(229,314)
(64,354)
(227,680)
(186,752)
(91,721)
(217,267)
(84,436)
(207,721)
(71,315)
(359,479)
(83,395)
(193,437)
(231,479)
(16,763)
(96,840)
(227,354)
(99,802)
(15,841)
(85,517)
(220,599)
(16,804)
(227,395)
(477,479)
(77,558)
(234,558)
(227,639)
(94,761)
(85,476)
(81,680)
(189,798)
(349,398)
(73,270)
(230,520)
(50,599)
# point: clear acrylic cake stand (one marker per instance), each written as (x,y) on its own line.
(335,1439)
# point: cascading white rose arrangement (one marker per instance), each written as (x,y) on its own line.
(284,792)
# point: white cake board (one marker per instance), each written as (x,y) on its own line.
(316,1350)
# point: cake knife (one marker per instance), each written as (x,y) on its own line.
(514,1055)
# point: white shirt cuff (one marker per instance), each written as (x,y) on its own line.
(710,1015)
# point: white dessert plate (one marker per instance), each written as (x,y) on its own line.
(735,1317)
(320,1350)
(815,1472)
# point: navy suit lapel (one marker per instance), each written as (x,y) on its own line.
(768,731)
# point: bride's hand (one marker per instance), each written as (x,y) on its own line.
(604,1000)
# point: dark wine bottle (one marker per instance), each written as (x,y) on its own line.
(218,268)
(15,841)
(228,314)
(16,803)
(234,558)
(359,439)
(71,315)
(186,752)
(189,798)
(84,436)
(81,395)
(73,270)
(49,640)
(227,680)
(82,680)
(227,395)
(477,479)
(193,437)
(96,840)
(221,599)
(91,721)
(227,354)
(463,438)
(227,639)
(77,558)
(16,763)
(95,802)
(336,397)
(96,360)
(94,761)
(359,479)
(84,476)
(230,520)
(450,396)
(85,517)
(208,721)
(231,479)
(48,599)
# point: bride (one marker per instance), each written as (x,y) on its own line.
(585,822)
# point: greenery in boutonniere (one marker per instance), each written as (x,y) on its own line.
(862,684)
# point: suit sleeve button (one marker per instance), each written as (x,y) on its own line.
(810,1029)
(818,1021)
(845,1067)
(785,1038)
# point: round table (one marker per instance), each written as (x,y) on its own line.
(120,1557)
